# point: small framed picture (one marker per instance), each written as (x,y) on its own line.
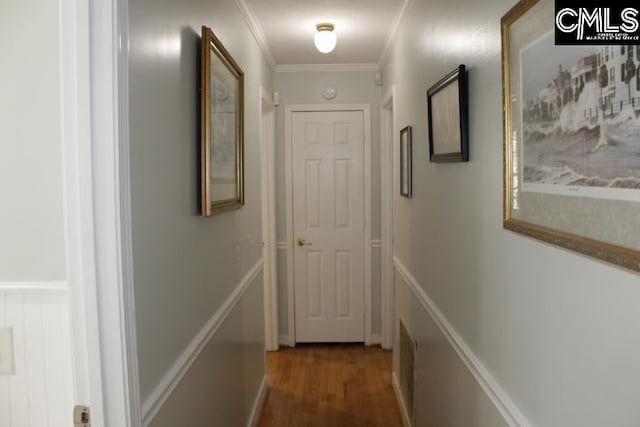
(405,162)
(448,111)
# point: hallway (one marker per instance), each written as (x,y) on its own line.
(330,385)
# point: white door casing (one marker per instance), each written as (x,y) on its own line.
(267,165)
(389,183)
(112,213)
(328,215)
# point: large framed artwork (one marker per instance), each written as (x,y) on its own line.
(222,136)
(571,138)
(447,109)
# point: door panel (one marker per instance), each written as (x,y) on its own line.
(328,214)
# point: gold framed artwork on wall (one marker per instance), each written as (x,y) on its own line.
(222,122)
(571,138)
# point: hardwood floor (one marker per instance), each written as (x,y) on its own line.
(330,385)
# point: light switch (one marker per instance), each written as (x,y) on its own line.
(81,416)
(6,351)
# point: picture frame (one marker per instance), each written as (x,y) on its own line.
(406,162)
(571,115)
(222,128)
(448,106)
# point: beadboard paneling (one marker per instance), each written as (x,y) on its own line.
(40,393)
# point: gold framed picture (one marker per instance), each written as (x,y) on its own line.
(571,138)
(222,122)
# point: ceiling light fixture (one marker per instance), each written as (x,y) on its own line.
(325,39)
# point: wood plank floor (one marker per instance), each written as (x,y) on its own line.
(320,385)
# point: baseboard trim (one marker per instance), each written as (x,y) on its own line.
(152,404)
(500,399)
(406,421)
(376,339)
(286,341)
(254,418)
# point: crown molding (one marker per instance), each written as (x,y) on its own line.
(256,29)
(296,68)
(402,9)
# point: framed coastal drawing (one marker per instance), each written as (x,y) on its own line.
(447,104)
(222,136)
(571,138)
(406,162)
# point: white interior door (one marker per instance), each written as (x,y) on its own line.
(328,225)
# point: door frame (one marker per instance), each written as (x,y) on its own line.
(267,126)
(388,182)
(113,303)
(289,109)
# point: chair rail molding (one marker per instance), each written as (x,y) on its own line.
(498,396)
(37,287)
(153,403)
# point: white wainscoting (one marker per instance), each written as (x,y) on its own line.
(40,393)
(152,405)
(512,415)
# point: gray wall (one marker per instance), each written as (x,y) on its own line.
(186,266)
(557,330)
(231,365)
(306,87)
(447,394)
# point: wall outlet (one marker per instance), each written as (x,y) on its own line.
(6,351)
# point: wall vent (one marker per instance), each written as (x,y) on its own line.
(408,349)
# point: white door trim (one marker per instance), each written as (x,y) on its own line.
(387,144)
(112,212)
(288,111)
(267,166)
(78,206)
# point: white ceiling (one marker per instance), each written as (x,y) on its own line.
(362,26)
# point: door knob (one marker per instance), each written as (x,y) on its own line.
(302,242)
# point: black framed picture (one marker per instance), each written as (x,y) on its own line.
(405,162)
(447,103)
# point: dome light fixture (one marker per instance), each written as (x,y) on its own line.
(325,39)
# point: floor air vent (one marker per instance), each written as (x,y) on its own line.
(408,348)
